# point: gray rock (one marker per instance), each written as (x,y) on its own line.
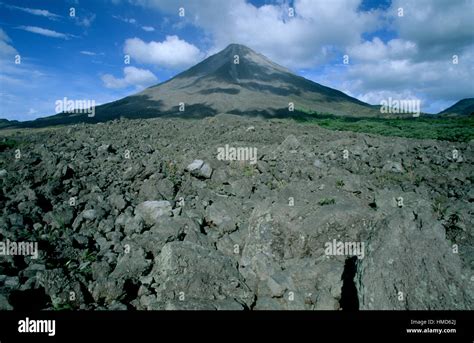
(195,165)
(89,214)
(166,188)
(117,306)
(223,215)
(199,273)
(104,148)
(4,304)
(395,275)
(318,164)
(33,269)
(394,167)
(290,143)
(268,304)
(131,265)
(151,211)
(205,171)
(200,169)
(12,282)
(117,201)
(130,224)
(277,290)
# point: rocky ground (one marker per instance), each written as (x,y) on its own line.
(126,218)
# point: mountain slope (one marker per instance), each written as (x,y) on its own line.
(254,85)
(464,107)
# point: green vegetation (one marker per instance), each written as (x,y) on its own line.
(248,170)
(62,307)
(457,129)
(170,170)
(7,143)
(339,183)
(326,201)
(440,207)
(89,256)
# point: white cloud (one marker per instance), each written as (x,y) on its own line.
(6,50)
(376,50)
(311,37)
(436,81)
(125,20)
(4,36)
(148,28)
(45,32)
(35,11)
(438,27)
(132,77)
(85,20)
(88,53)
(171,53)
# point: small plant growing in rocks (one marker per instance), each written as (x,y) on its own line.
(326,201)
(439,207)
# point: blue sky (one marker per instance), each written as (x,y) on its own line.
(82,57)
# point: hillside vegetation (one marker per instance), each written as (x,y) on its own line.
(450,129)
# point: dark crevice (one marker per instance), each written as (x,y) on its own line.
(131,293)
(253,303)
(29,300)
(181,236)
(44,203)
(149,255)
(202,226)
(88,299)
(19,262)
(349,298)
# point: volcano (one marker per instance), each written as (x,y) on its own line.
(236,80)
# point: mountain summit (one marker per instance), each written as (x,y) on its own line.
(236,80)
(233,64)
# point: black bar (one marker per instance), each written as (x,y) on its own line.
(198,324)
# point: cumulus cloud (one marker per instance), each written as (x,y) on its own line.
(45,32)
(171,53)
(132,77)
(304,40)
(148,28)
(431,80)
(377,50)
(438,27)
